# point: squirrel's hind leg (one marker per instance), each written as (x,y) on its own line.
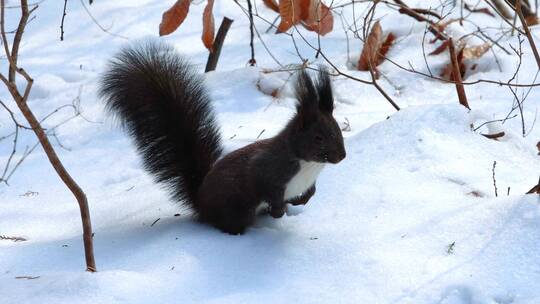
(235,216)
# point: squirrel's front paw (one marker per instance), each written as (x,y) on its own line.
(278,212)
(301,200)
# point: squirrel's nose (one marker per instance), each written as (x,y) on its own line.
(337,156)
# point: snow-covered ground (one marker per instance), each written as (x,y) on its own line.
(410,216)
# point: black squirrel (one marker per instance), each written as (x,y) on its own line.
(163,105)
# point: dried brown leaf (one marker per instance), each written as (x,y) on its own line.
(291,13)
(314,15)
(368,56)
(441,48)
(327,21)
(477,51)
(208,26)
(441,26)
(375,48)
(319,18)
(271,4)
(385,47)
(174,17)
(495,136)
(532,20)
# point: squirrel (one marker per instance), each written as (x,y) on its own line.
(163,105)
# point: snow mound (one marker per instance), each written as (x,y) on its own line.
(410,216)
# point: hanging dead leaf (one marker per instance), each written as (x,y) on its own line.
(385,47)
(477,51)
(291,13)
(208,26)
(441,48)
(469,53)
(369,52)
(441,26)
(532,20)
(174,17)
(375,48)
(314,15)
(327,20)
(271,4)
(319,18)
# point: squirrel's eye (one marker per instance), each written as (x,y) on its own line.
(318,138)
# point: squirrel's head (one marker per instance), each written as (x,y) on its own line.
(317,136)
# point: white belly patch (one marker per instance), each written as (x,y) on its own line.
(304,178)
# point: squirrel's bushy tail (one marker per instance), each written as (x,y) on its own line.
(163,105)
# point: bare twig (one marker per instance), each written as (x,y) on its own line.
(213,57)
(519,12)
(499,8)
(152,225)
(21,101)
(494,180)
(404,9)
(252,60)
(261,133)
(457,75)
(62,23)
(12,238)
(98,24)
(27,277)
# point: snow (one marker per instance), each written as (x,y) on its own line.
(410,216)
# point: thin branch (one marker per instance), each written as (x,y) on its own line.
(12,238)
(97,23)
(62,23)
(252,60)
(406,10)
(500,9)
(213,57)
(494,180)
(21,101)
(457,75)
(17,40)
(519,12)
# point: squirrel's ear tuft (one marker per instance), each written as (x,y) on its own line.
(307,97)
(324,90)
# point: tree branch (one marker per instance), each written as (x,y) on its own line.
(21,101)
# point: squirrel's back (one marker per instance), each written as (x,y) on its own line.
(164,106)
